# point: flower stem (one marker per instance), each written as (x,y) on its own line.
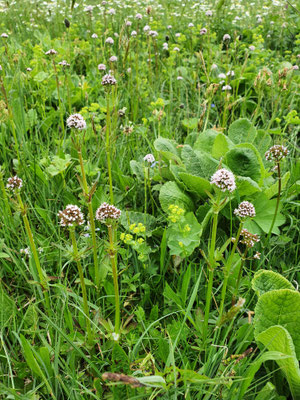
(107,148)
(211,267)
(88,198)
(239,277)
(112,255)
(81,277)
(227,268)
(277,204)
(43,281)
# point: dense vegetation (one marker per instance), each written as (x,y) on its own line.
(148,191)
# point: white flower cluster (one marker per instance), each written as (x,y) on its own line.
(224,180)
(276,153)
(149,158)
(106,212)
(70,216)
(245,209)
(51,52)
(14,183)
(108,80)
(76,121)
(249,239)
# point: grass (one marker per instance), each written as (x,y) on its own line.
(156,303)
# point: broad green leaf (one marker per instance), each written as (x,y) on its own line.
(190,124)
(137,169)
(242,131)
(167,148)
(248,376)
(277,338)
(41,76)
(265,210)
(170,193)
(268,392)
(58,165)
(246,186)
(221,146)
(273,190)
(244,162)
(198,162)
(205,140)
(279,307)
(265,281)
(262,142)
(195,184)
(153,381)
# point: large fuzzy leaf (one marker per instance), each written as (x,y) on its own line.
(170,193)
(242,131)
(205,140)
(243,161)
(198,163)
(265,281)
(195,184)
(167,148)
(279,307)
(273,189)
(277,338)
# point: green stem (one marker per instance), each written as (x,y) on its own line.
(81,277)
(211,267)
(112,255)
(227,268)
(88,198)
(239,277)
(277,204)
(41,275)
(5,199)
(107,148)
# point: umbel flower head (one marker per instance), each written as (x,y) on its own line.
(108,80)
(76,121)
(224,180)
(276,153)
(245,209)
(107,212)
(249,239)
(149,158)
(71,216)
(14,183)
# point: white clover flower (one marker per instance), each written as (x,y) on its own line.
(149,158)
(190,25)
(113,59)
(4,35)
(226,37)
(146,28)
(138,16)
(133,33)
(94,36)
(224,180)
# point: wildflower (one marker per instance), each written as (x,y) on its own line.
(176,49)
(153,33)
(179,78)
(209,13)
(113,59)
(224,180)
(149,158)
(146,28)
(249,239)
(28,69)
(128,23)
(169,26)
(276,153)
(226,87)
(257,255)
(190,25)
(14,183)
(51,52)
(138,16)
(101,67)
(165,46)
(4,35)
(133,33)
(0,67)
(177,34)
(76,121)
(108,80)
(107,212)
(203,31)
(230,73)
(245,209)
(94,36)
(251,48)
(111,11)
(295,67)
(64,63)
(88,8)
(25,252)
(71,216)
(226,37)
(109,40)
